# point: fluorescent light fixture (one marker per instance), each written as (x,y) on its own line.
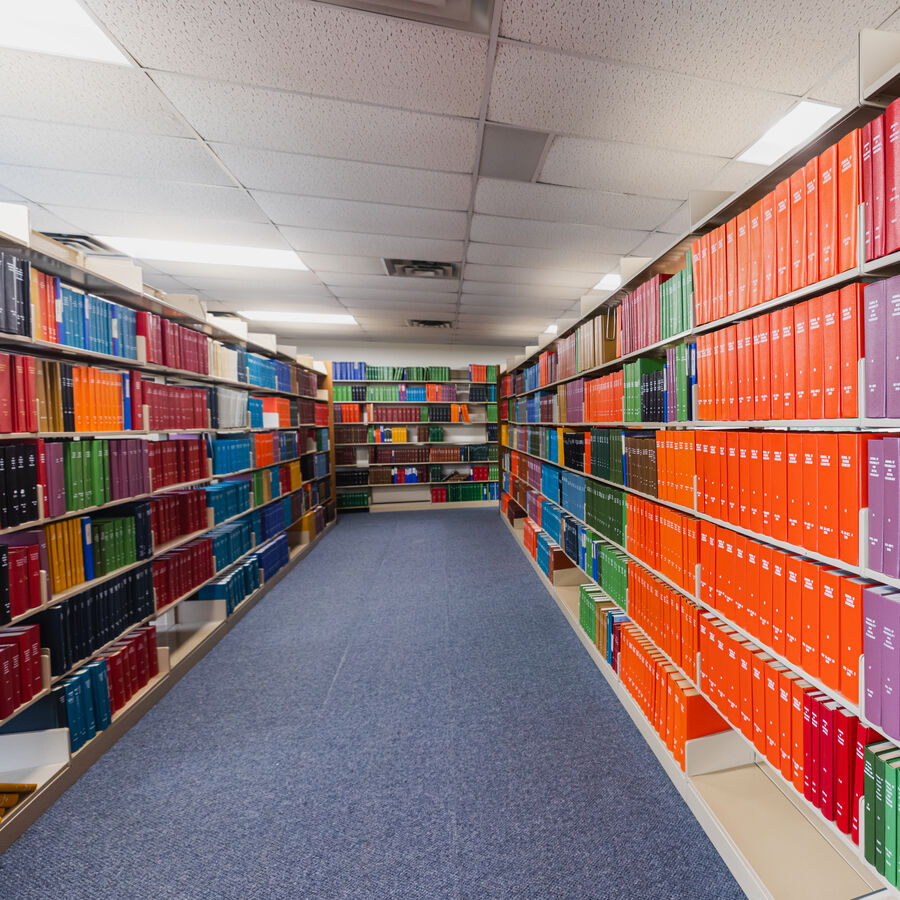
(552,328)
(58,27)
(790,131)
(211,254)
(299,318)
(608,282)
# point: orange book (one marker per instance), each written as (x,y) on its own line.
(755,260)
(788,365)
(830,627)
(743,480)
(801,361)
(755,451)
(769,245)
(776,478)
(827,508)
(745,689)
(816,355)
(798,230)
(733,477)
(743,259)
(810,491)
(852,490)
(724,552)
(851,344)
(798,690)
(768,495)
(764,594)
(773,712)
(81,423)
(746,374)
(776,364)
(738,568)
(761,368)
(783,238)
(751,585)
(828,212)
(809,616)
(785,722)
(851,633)
(779,593)
(731,374)
(731,267)
(849,194)
(831,359)
(811,217)
(794,472)
(793,612)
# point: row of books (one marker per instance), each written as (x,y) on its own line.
(462,492)
(355,412)
(21,672)
(659,308)
(233,587)
(360,371)
(802,232)
(419,393)
(178,513)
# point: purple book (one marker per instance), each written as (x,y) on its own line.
(875,348)
(890,666)
(56,485)
(145,466)
(892,348)
(876,505)
(873,617)
(890,534)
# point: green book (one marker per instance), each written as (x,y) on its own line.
(891,772)
(878,808)
(68,473)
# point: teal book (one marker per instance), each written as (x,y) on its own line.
(87,703)
(100,693)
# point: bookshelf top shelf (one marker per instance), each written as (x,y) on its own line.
(411,381)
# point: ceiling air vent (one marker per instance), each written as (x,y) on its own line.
(420,268)
(466,15)
(429,323)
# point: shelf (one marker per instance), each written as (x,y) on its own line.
(848,424)
(413,483)
(399,381)
(759,833)
(420,506)
(417,422)
(426,462)
(415,403)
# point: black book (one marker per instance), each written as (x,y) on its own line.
(53,636)
(11,464)
(8,310)
(23,296)
(58,703)
(67,401)
(29,474)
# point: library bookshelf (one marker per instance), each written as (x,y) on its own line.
(120,439)
(415,437)
(677,467)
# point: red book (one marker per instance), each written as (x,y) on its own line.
(6,395)
(6,680)
(878,197)
(783,238)
(831,355)
(798,230)
(849,189)
(827,726)
(811,214)
(892,178)
(845,727)
(828,212)
(851,343)
(864,736)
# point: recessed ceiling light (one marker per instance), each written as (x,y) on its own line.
(552,328)
(608,282)
(58,27)
(790,131)
(211,254)
(291,318)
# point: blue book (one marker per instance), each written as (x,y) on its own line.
(100,692)
(114,329)
(87,703)
(74,713)
(87,547)
(89,343)
(126,402)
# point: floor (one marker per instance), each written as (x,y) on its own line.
(407,715)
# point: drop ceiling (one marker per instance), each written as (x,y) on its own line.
(350,135)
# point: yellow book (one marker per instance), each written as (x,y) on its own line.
(8,800)
(77,552)
(35,296)
(12,787)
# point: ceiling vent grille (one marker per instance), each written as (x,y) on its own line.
(466,15)
(420,268)
(429,323)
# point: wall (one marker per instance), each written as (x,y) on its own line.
(404,354)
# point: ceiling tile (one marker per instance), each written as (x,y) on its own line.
(679,222)
(535,88)
(324,263)
(524,233)
(172,227)
(130,194)
(354,244)
(840,85)
(655,244)
(166,283)
(552,203)
(628,168)
(388,296)
(349,215)
(242,276)
(705,38)
(520,275)
(80,149)
(511,304)
(51,222)
(391,283)
(500,255)
(735,176)
(319,176)
(315,48)
(60,89)
(497,288)
(314,125)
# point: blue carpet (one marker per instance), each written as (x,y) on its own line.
(407,714)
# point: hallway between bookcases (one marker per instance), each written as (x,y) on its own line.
(407,714)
